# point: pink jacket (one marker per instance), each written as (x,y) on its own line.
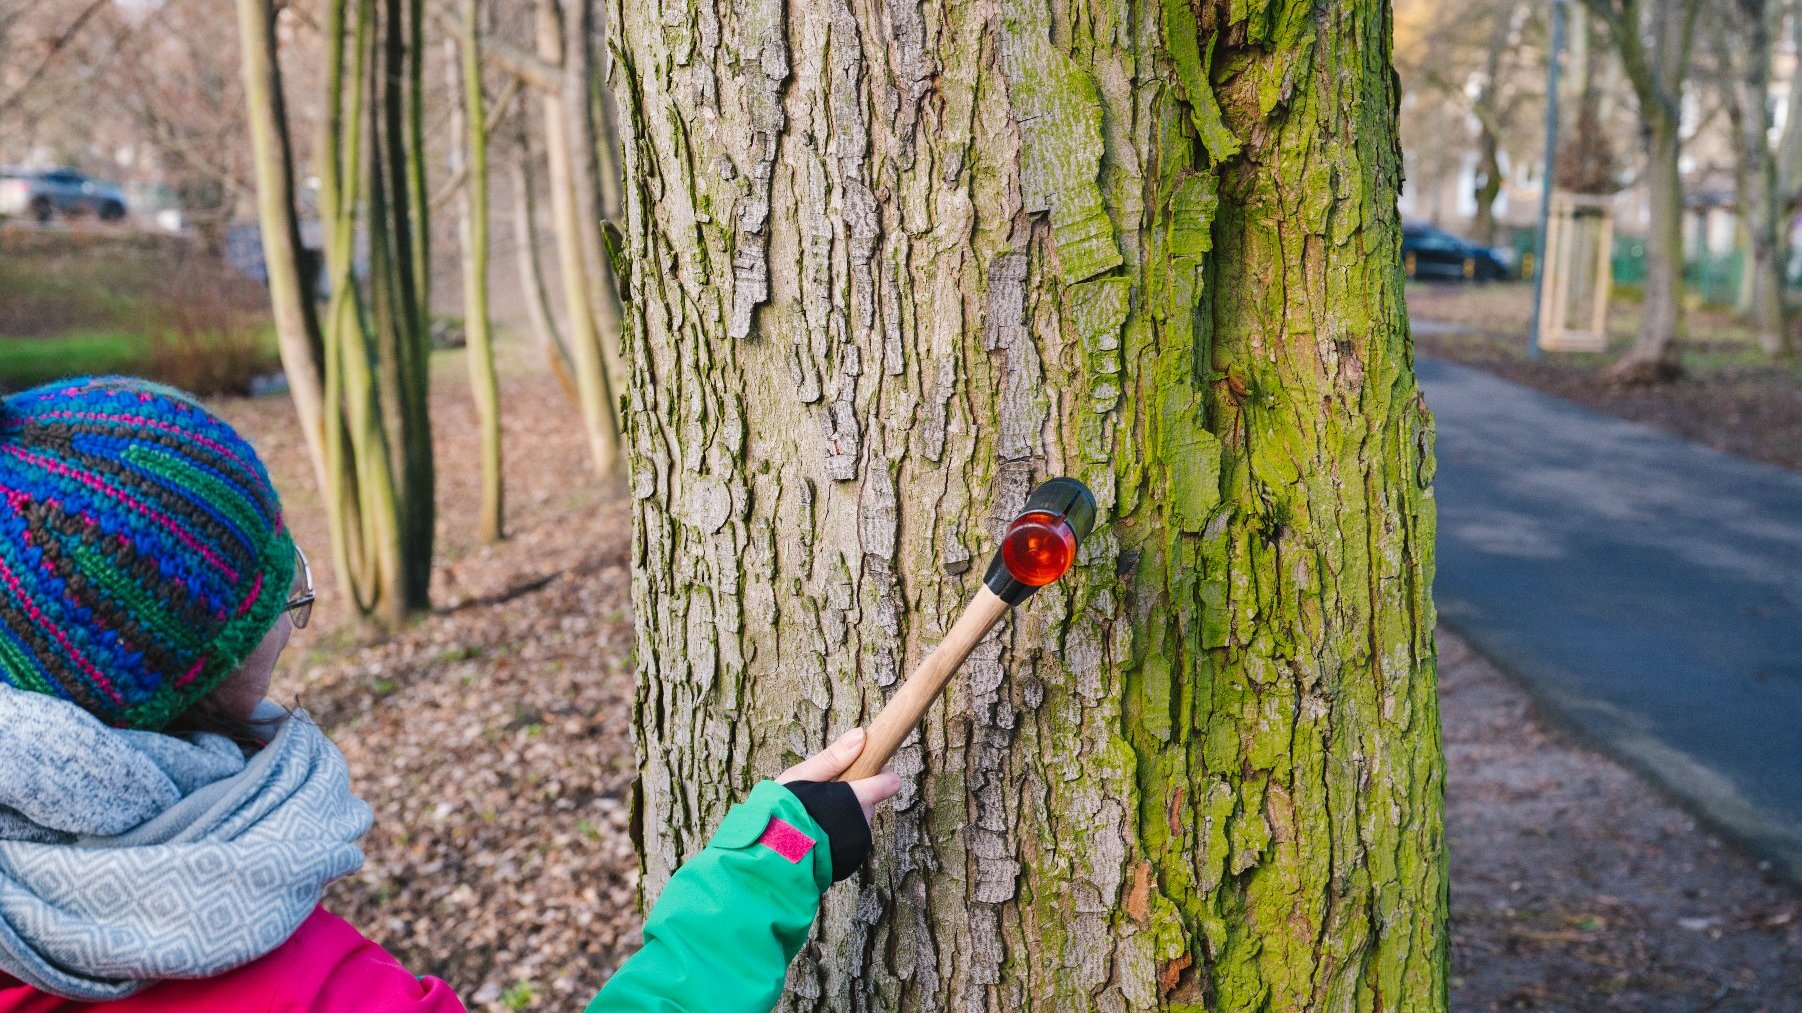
(325,967)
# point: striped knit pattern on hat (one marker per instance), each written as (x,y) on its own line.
(142,550)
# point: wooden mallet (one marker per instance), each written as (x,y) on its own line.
(1039,547)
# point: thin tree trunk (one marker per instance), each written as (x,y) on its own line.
(1760,213)
(469,116)
(973,245)
(1655,356)
(585,182)
(598,408)
(363,488)
(1488,115)
(606,127)
(291,301)
(1789,146)
(418,201)
(409,342)
(348,390)
(531,277)
(382,466)
(1489,187)
(1654,39)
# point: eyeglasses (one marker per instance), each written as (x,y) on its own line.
(300,597)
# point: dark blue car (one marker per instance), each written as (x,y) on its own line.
(1433,253)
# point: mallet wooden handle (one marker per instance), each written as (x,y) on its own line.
(910,702)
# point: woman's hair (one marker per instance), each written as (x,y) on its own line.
(209,715)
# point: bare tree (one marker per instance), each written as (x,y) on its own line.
(559,67)
(1654,40)
(1745,47)
(1474,62)
(19,84)
(181,89)
(1493,107)
(296,321)
(470,121)
(523,174)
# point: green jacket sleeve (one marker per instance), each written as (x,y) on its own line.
(721,936)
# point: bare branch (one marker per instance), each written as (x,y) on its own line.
(55,49)
(540,73)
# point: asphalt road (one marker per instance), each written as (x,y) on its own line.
(1647,590)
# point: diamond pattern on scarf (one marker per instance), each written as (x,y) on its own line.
(207,860)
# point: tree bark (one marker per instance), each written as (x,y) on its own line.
(890,265)
(1760,213)
(1488,109)
(1655,357)
(291,302)
(600,414)
(1654,39)
(469,119)
(531,276)
(585,182)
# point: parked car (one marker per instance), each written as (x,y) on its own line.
(45,193)
(1429,252)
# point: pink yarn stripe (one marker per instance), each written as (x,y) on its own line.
(256,590)
(193,672)
(87,667)
(784,839)
(138,420)
(102,487)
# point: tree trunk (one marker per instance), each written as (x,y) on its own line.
(1789,146)
(406,344)
(1489,186)
(364,487)
(598,409)
(290,297)
(1759,211)
(1655,357)
(1489,113)
(890,265)
(531,277)
(585,183)
(469,116)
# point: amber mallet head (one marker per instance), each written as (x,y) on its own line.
(1040,543)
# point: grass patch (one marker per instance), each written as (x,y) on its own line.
(27,362)
(74,306)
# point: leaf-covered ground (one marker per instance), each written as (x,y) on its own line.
(493,738)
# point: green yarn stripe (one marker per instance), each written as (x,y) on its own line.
(23,668)
(148,609)
(179,473)
(228,649)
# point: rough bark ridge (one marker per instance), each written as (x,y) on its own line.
(891,263)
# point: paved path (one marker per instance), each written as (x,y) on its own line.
(1648,590)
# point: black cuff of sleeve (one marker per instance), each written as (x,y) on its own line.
(833,805)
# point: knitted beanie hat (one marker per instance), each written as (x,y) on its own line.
(142,550)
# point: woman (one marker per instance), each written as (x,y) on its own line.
(166,832)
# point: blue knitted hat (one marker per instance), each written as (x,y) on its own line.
(142,550)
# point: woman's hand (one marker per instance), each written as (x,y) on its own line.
(829,763)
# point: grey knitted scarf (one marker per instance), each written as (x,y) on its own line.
(128,857)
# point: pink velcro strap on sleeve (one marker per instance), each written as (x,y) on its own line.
(782,838)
